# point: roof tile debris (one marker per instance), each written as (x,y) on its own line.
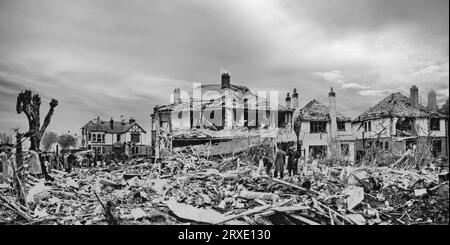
(316,111)
(396,105)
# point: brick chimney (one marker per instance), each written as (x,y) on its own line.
(132,120)
(111,123)
(332,112)
(176,96)
(432,105)
(226,80)
(295,98)
(414,96)
(288,100)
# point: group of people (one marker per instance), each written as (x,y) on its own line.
(287,157)
(39,164)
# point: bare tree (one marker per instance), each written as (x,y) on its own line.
(374,153)
(30,103)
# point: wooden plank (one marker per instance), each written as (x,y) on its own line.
(295,186)
(303,219)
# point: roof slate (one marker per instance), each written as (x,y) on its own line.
(235,93)
(396,105)
(316,111)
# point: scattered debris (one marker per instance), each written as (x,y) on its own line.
(190,188)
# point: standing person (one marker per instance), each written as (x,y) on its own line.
(297,156)
(88,157)
(95,159)
(42,161)
(9,171)
(290,161)
(267,164)
(66,161)
(279,163)
(71,161)
(62,161)
(34,164)
(100,159)
(3,159)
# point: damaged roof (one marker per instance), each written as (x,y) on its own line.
(396,105)
(213,96)
(316,111)
(98,125)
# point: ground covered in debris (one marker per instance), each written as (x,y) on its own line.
(189,189)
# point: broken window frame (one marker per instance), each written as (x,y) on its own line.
(435,124)
(341,126)
(436,149)
(406,124)
(345,149)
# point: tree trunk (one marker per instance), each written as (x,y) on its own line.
(30,105)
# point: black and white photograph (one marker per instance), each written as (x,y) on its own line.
(224,113)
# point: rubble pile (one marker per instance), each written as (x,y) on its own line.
(190,189)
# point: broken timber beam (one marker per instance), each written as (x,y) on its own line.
(295,186)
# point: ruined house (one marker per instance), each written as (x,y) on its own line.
(215,113)
(322,127)
(107,137)
(398,122)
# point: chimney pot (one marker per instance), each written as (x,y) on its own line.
(288,100)
(333,114)
(176,96)
(332,93)
(295,98)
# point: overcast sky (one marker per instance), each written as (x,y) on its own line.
(110,58)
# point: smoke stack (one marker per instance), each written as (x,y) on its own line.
(111,123)
(332,112)
(295,98)
(432,105)
(288,101)
(176,96)
(226,80)
(414,96)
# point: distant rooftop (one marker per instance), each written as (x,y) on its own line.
(316,111)
(119,127)
(396,105)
